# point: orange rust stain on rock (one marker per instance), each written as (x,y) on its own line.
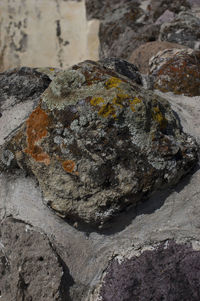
(68,165)
(37,124)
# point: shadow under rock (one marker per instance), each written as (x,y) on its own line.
(147,206)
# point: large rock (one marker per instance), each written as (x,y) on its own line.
(98,143)
(141,56)
(168,271)
(184,30)
(176,70)
(30,269)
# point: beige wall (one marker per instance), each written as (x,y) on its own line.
(40,33)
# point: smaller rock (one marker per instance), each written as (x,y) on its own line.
(184,30)
(123,67)
(141,56)
(176,70)
(169,271)
(29,267)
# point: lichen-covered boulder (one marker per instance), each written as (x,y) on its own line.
(168,271)
(184,30)
(141,56)
(99,143)
(176,70)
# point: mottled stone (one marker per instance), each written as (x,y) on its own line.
(30,269)
(141,56)
(176,70)
(184,30)
(168,272)
(157,7)
(99,143)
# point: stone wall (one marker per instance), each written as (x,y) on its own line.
(46,33)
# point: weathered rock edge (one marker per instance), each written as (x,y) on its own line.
(99,143)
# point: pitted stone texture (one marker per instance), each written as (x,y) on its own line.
(177,71)
(157,7)
(99,143)
(184,30)
(29,268)
(170,272)
(141,56)
(124,68)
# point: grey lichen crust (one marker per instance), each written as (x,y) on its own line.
(98,143)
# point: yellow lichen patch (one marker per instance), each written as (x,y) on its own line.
(37,124)
(133,102)
(95,101)
(112,82)
(158,117)
(119,99)
(68,165)
(107,110)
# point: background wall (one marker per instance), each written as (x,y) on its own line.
(40,33)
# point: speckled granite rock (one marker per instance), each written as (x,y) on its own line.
(141,56)
(184,30)
(98,143)
(30,269)
(176,70)
(168,272)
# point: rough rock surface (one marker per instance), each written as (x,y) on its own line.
(176,70)
(184,30)
(124,68)
(22,84)
(167,272)
(98,143)
(102,9)
(20,89)
(141,56)
(167,16)
(124,29)
(157,7)
(30,269)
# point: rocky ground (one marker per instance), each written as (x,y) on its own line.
(99,170)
